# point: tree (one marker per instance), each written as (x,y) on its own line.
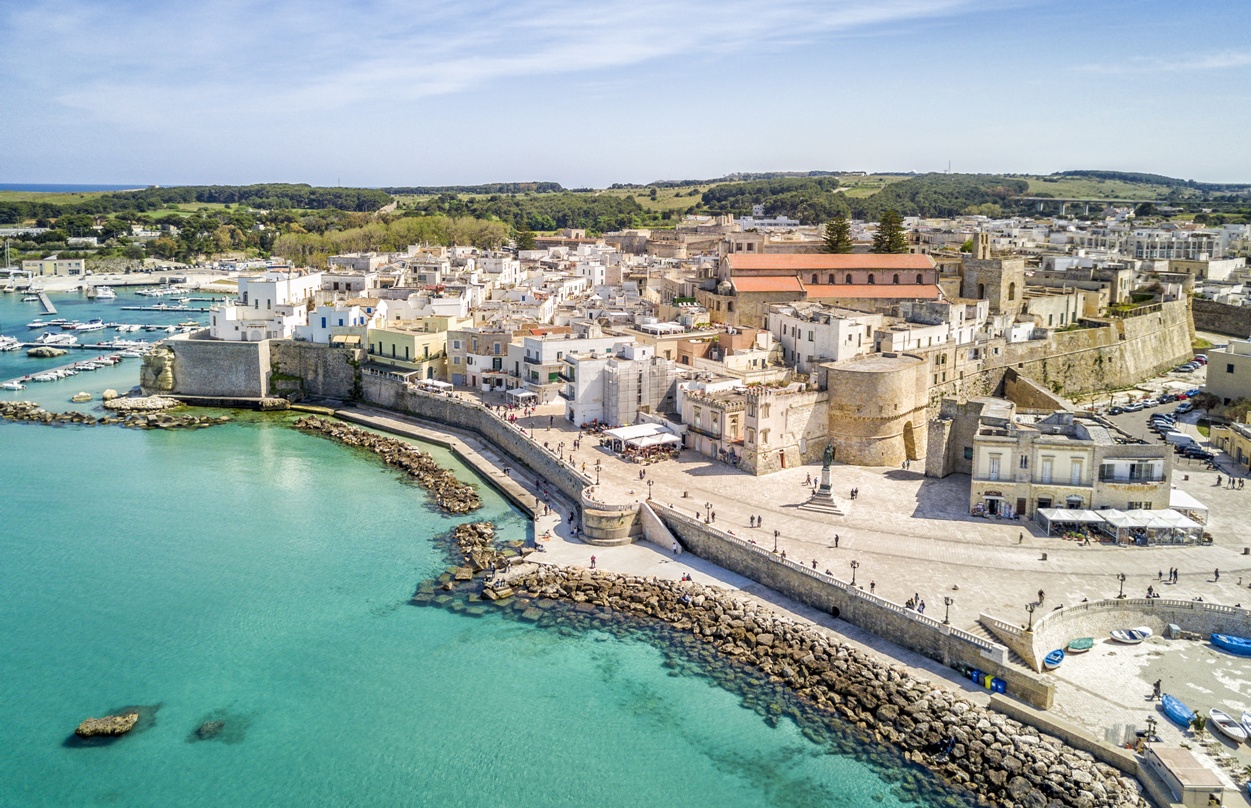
(837,236)
(890,236)
(524,238)
(1145,209)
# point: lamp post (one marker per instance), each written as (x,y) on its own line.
(1030,607)
(947,601)
(707,512)
(597,465)
(1151,725)
(1120,576)
(775,540)
(855,565)
(649,488)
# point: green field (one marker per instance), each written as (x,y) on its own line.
(666,198)
(48,196)
(1092,188)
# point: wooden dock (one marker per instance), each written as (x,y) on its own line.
(48,308)
(26,378)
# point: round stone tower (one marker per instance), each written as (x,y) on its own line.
(878,409)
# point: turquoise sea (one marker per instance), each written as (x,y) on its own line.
(257,576)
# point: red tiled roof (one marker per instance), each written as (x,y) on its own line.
(800,262)
(901,291)
(768,283)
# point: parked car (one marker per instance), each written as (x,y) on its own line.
(1197,453)
(1192,392)
(1135,406)
(1202,359)
(1184,407)
(1116,411)
(1185,369)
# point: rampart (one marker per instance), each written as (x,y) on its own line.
(909,629)
(184,365)
(1222,318)
(602,523)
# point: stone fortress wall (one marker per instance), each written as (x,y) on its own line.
(906,628)
(1222,318)
(877,408)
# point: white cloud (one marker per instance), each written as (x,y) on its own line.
(146,65)
(1223,60)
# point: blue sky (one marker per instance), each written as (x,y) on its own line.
(386,92)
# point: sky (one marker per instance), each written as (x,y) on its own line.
(591,92)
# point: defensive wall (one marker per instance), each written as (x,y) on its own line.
(1097,618)
(1222,318)
(602,523)
(877,408)
(906,628)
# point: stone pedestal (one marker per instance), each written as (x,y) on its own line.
(823,499)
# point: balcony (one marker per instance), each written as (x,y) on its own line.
(1128,479)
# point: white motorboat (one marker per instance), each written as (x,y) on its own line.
(43,377)
(9,344)
(91,325)
(13,386)
(33,324)
(171,329)
(105,293)
(86,366)
(131,354)
(49,338)
(31,299)
(1227,725)
(1131,636)
(1246,722)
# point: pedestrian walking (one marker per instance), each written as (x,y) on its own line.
(835,541)
(921,607)
(872,586)
(675,548)
(1041,594)
(758,521)
(1155,689)
(814,563)
(1216,575)
(1020,537)
(592,562)
(714,517)
(1159,575)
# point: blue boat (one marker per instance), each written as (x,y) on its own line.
(1234,645)
(1052,661)
(1177,711)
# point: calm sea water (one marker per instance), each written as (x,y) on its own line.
(257,576)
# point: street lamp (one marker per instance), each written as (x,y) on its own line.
(597,465)
(1120,576)
(1151,725)
(649,488)
(775,540)
(707,512)
(1030,607)
(855,565)
(947,601)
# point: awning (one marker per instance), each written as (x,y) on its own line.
(520,393)
(1070,515)
(1179,500)
(628,433)
(434,383)
(653,440)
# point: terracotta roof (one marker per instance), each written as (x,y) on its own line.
(800,262)
(768,283)
(901,291)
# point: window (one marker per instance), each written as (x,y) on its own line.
(994,467)
(1046,470)
(814,277)
(895,278)
(872,279)
(1012,291)
(848,278)
(1024,461)
(810,336)
(968,452)
(1075,472)
(919,281)
(831,277)
(1229,368)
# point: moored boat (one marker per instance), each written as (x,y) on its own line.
(1131,636)
(1227,725)
(13,386)
(105,293)
(1246,722)
(1176,710)
(1234,645)
(1081,645)
(1054,659)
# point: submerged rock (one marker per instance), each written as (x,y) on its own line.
(110,725)
(209,730)
(79,398)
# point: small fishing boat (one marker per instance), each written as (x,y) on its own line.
(37,324)
(13,386)
(31,299)
(1054,659)
(1131,636)
(1176,711)
(1081,645)
(1227,725)
(1234,645)
(1246,722)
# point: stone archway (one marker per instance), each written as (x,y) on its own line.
(910,442)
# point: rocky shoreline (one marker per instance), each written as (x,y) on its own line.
(30,412)
(786,668)
(449,493)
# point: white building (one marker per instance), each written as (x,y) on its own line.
(335,319)
(811,333)
(270,306)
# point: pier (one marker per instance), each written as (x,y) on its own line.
(164,308)
(48,308)
(26,377)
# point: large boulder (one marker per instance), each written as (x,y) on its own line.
(79,398)
(110,725)
(45,352)
(109,395)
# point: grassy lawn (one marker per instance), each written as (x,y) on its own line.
(1205,428)
(666,198)
(1200,344)
(1091,188)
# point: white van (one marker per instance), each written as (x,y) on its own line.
(1178,438)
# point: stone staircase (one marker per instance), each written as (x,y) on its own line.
(977,629)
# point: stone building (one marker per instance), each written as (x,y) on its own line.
(998,280)
(877,408)
(785,427)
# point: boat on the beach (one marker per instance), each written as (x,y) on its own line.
(1234,645)
(1081,645)
(1176,710)
(1246,722)
(1054,659)
(1131,636)
(1227,725)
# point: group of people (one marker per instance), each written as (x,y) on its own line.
(915,602)
(754,521)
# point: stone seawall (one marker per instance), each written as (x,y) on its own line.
(904,627)
(608,525)
(834,687)
(183,365)
(1222,318)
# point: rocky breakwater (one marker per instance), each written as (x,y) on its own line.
(30,412)
(973,748)
(449,493)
